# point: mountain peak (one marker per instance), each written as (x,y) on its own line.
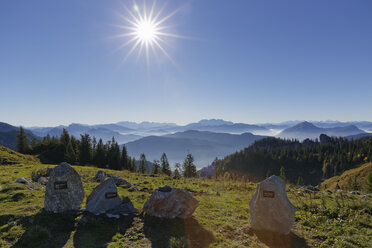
(214,122)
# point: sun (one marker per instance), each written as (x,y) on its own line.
(145,30)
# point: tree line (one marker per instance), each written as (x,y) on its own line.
(87,151)
(304,162)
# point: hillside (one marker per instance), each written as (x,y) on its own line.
(221,219)
(312,161)
(8,157)
(8,135)
(353,179)
(204,146)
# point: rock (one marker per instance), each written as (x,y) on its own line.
(42,180)
(64,190)
(120,181)
(270,208)
(23,180)
(103,197)
(100,176)
(167,202)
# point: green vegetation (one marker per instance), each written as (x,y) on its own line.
(311,160)
(354,179)
(221,219)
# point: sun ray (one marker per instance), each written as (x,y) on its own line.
(146,30)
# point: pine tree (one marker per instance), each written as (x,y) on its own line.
(142,164)
(100,155)
(189,169)
(85,149)
(114,156)
(155,168)
(64,138)
(70,155)
(165,168)
(22,144)
(125,162)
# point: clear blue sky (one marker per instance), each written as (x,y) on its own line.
(248,61)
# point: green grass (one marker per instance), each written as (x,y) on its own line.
(221,219)
(358,174)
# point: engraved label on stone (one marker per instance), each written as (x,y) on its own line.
(109,195)
(60,185)
(268,194)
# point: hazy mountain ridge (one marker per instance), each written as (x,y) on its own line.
(204,146)
(306,129)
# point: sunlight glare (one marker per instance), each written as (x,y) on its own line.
(145,30)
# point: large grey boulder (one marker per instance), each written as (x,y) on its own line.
(103,198)
(270,208)
(64,190)
(168,202)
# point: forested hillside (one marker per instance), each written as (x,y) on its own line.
(307,161)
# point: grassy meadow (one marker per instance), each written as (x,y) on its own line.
(323,219)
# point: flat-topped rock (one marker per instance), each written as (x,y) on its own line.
(270,208)
(168,202)
(64,190)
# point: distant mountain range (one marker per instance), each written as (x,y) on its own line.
(203,145)
(205,139)
(104,131)
(305,130)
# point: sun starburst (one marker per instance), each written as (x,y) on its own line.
(145,30)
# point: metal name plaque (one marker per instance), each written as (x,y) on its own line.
(60,185)
(268,194)
(109,195)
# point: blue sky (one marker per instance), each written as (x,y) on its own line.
(246,61)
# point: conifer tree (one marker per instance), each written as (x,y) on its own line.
(70,155)
(125,162)
(64,138)
(114,156)
(165,168)
(22,144)
(100,155)
(155,168)
(85,149)
(189,169)
(142,164)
